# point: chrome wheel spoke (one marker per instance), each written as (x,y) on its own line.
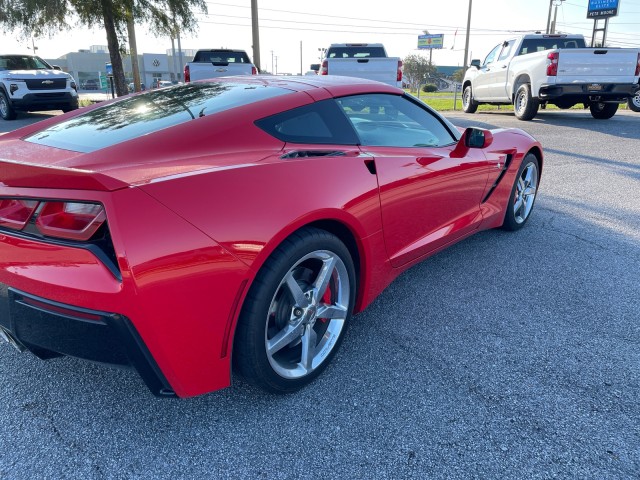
(284,337)
(309,340)
(324,276)
(296,291)
(332,312)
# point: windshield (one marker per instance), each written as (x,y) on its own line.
(149,112)
(23,62)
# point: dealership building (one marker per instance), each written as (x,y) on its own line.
(88,67)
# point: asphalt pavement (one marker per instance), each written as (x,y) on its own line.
(509,355)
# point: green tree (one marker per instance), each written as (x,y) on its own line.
(458,75)
(47,17)
(417,69)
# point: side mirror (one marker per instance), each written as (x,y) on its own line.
(56,67)
(475,63)
(477,138)
(315,67)
(472,138)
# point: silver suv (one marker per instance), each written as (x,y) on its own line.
(29,84)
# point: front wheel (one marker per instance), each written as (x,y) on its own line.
(603,111)
(525,106)
(296,312)
(6,110)
(634,102)
(469,105)
(523,194)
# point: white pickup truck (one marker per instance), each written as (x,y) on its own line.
(219,62)
(534,70)
(362,60)
(29,84)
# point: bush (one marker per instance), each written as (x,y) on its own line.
(429,88)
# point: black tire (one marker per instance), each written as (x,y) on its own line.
(523,194)
(634,102)
(6,110)
(69,108)
(524,105)
(281,318)
(603,111)
(469,105)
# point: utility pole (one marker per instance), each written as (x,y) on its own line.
(272,62)
(549,17)
(300,57)
(255,31)
(466,43)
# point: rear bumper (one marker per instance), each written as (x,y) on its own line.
(588,92)
(49,329)
(45,101)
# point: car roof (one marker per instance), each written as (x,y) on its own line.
(334,84)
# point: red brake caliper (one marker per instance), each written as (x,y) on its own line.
(326,299)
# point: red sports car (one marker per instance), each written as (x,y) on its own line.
(237,222)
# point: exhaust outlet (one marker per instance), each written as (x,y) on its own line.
(6,336)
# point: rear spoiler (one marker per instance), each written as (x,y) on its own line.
(27,175)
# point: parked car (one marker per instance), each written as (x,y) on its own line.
(30,84)
(132,89)
(92,84)
(534,69)
(163,83)
(237,221)
(362,60)
(218,62)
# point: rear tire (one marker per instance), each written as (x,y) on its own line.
(524,105)
(469,105)
(296,312)
(603,111)
(6,110)
(634,102)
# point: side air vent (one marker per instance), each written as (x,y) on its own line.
(312,153)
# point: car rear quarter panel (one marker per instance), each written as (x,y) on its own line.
(178,286)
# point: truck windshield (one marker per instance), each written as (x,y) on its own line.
(532,45)
(22,62)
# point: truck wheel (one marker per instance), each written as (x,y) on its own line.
(603,111)
(524,105)
(634,102)
(69,108)
(469,105)
(6,110)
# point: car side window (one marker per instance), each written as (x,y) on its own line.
(492,55)
(318,123)
(394,121)
(506,50)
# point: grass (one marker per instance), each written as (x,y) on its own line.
(443,102)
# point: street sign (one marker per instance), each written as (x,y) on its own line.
(430,41)
(603,8)
(109,69)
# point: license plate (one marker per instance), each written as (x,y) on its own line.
(594,87)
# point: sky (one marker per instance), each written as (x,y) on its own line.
(292,32)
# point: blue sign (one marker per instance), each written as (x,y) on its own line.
(603,8)
(109,69)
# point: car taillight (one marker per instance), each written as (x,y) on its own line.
(325,68)
(187,75)
(70,220)
(254,71)
(15,213)
(638,66)
(399,76)
(552,67)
